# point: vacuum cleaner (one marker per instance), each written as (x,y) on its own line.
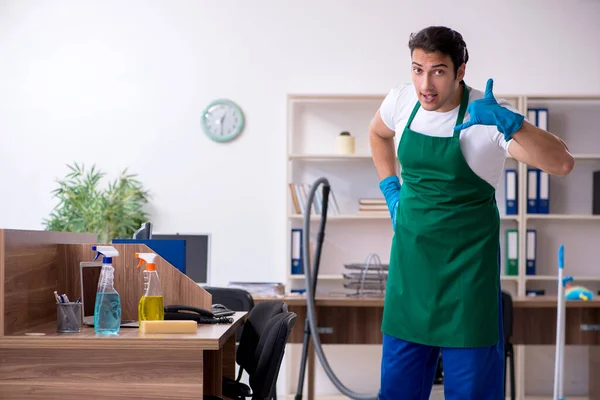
(310,325)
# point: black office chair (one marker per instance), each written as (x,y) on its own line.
(261,351)
(233,298)
(509,353)
(253,331)
(269,355)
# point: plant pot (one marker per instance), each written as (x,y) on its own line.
(345,144)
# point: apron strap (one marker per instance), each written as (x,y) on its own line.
(412,115)
(464,102)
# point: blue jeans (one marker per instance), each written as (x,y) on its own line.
(408,369)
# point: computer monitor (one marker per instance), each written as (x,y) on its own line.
(197,254)
(145,232)
(89,275)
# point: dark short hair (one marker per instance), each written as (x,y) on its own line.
(441,39)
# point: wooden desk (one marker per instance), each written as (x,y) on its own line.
(131,365)
(33,264)
(351,320)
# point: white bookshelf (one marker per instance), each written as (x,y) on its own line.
(314,121)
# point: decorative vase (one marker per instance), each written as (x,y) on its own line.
(345,143)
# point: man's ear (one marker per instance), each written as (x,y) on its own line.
(460,74)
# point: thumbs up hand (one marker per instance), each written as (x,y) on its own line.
(487,111)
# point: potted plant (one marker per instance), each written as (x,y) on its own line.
(116,211)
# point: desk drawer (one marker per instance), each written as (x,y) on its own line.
(538,326)
(342,325)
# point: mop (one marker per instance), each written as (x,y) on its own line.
(560,329)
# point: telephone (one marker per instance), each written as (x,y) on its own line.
(200,315)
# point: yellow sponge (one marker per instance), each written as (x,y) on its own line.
(176,326)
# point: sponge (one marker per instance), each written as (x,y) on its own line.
(168,327)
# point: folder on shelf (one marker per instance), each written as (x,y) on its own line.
(532,116)
(296,253)
(538,117)
(511,191)
(542,118)
(596,193)
(531,251)
(532,190)
(544,191)
(512,252)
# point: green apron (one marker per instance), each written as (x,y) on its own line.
(443,280)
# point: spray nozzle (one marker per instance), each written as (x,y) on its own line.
(108,252)
(148,258)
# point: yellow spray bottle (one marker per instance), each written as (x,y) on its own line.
(151,305)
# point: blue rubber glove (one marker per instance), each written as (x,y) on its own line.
(487,111)
(390,187)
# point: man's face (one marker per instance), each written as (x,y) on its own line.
(434,80)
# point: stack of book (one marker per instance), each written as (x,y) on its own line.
(372,206)
(300,192)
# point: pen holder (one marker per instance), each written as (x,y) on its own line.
(68,318)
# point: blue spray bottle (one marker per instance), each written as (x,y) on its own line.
(107,312)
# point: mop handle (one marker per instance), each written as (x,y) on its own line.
(560,329)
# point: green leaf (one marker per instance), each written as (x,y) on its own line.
(115,212)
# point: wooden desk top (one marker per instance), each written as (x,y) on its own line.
(341,301)
(551,302)
(208,337)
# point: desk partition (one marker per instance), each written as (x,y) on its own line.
(33,264)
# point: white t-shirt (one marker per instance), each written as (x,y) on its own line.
(483,147)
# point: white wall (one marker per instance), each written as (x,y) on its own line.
(85,80)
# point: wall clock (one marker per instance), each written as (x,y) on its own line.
(222,120)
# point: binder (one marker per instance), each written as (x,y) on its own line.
(531,251)
(532,116)
(297,266)
(542,118)
(538,184)
(532,191)
(544,191)
(596,193)
(538,117)
(511,191)
(512,252)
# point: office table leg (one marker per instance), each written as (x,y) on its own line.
(217,364)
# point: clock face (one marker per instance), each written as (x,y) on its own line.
(222,120)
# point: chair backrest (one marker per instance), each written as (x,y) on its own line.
(269,355)
(507,315)
(233,298)
(253,329)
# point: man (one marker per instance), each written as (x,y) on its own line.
(443,292)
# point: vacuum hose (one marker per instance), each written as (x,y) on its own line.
(311,288)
